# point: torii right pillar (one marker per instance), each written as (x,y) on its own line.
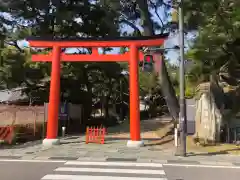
(135,129)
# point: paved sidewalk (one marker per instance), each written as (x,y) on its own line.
(73,148)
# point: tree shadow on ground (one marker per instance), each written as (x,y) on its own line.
(146,126)
(163,140)
(149,125)
(127,138)
(20,145)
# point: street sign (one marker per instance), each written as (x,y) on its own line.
(63,111)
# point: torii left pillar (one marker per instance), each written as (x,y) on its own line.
(54,99)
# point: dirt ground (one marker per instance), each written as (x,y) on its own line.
(156,132)
(160,134)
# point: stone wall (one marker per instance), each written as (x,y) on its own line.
(16,115)
(208,113)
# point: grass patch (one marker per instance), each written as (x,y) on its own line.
(212,149)
(167,132)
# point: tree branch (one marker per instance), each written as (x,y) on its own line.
(168,5)
(146,17)
(123,19)
(219,14)
(14,43)
(131,25)
(155,10)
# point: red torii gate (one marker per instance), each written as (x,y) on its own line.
(56,56)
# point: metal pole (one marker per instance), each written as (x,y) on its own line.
(181,149)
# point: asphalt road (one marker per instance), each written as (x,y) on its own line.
(201,173)
(78,170)
(26,170)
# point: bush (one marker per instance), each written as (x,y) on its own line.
(25,132)
(189,93)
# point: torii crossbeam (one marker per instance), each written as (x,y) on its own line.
(57,56)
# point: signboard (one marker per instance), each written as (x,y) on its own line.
(63,111)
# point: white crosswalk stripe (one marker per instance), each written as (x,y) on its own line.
(78,170)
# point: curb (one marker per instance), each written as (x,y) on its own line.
(106,159)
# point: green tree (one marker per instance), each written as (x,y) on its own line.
(56,19)
(73,18)
(216,47)
(131,12)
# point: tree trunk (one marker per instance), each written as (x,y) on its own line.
(168,91)
(1,49)
(166,85)
(106,107)
(88,109)
(107,99)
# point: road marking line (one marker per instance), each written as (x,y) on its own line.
(33,161)
(83,177)
(100,170)
(202,166)
(128,164)
(124,164)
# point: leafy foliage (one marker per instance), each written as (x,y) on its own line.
(218,25)
(216,50)
(74,18)
(80,82)
(144,19)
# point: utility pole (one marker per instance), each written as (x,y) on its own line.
(181,148)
